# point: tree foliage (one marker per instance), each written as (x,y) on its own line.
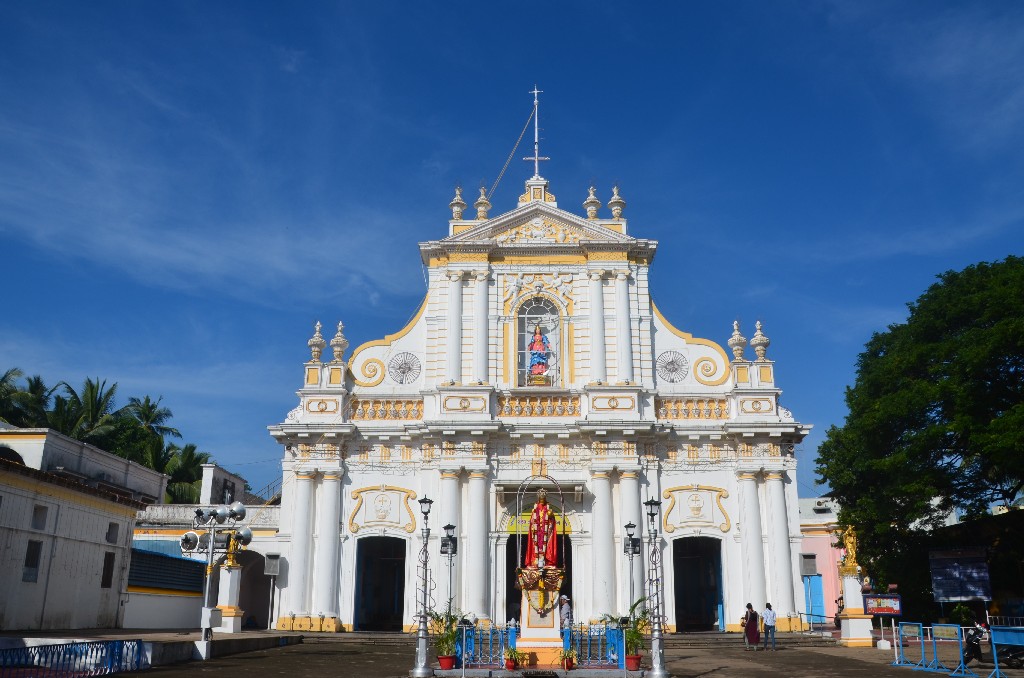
(138,431)
(936,415)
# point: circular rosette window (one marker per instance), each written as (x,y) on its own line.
(673,366)
(404,368)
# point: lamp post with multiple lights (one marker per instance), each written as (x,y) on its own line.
(654,577)
(422,669)
(221,534)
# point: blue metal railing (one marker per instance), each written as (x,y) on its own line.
(484,646)
(73,659)
(596,646)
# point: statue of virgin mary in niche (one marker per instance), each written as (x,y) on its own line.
(539,348)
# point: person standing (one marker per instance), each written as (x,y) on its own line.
(751,634)
(769,618)
(565,612)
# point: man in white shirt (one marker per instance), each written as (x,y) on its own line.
(769,617)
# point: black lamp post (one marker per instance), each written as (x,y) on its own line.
(421,669)
(450,547)
(657,647)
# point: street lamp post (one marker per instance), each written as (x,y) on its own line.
(631,548)
(449,547)
(421,669)
(657,646)
(216,537)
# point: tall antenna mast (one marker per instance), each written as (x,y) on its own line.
(536,158)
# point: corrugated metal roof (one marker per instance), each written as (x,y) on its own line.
(157,570)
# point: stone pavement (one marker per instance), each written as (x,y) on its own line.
(322,656)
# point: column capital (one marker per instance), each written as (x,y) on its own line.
(451,473)
(333,475)
(478,474)
(774,475)
(599,475)
(305,475)
(481,276)
(746,475)
(597,274)
(622,275)
(629,474)
(454,275)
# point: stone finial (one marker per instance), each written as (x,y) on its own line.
(339,343)
(617,204)
(482,204)
(592,204)
(737,342)
(316,343)
(457,204)
(759,343)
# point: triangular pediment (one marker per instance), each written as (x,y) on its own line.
(538,224)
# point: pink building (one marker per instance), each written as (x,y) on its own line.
(819,566)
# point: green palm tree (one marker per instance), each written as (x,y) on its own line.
(152,416)
(94,410)
(33,402)
(186,471)
(9,387)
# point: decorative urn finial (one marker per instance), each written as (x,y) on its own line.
(759,342)
(457,204)
(737,342)
(482,204)
(592,204)
(339,343)
(316,343)
(616,204)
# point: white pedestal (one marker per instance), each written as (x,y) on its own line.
(540,633)
(855,625)
(227,599)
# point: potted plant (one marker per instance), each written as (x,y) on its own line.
(567,658)
(633,631)
(444,627)
(514,658)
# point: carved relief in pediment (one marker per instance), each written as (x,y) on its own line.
(540,230)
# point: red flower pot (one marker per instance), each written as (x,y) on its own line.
(632,662)
(567,664)
(447,662)
(510,664)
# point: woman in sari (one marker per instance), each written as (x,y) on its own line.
(751,634)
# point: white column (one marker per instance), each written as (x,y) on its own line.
(453,370)
(629,493)
(783,601)
(751,544)
(603,542)
(478,584)
(227,597)
(623,326)
(450,516)
(480,329)
(598,361)
(328,541)
(298,552)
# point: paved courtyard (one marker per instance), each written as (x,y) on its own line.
(319,657)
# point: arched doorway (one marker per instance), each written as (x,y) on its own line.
(380,583)
(254,590)
(697,579)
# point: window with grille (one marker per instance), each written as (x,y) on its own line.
(538,340)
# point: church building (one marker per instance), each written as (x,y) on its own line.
(538,353)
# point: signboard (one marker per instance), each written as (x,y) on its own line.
(946,631)
(883,605)
(959,575)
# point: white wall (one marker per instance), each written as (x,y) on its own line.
(158,611)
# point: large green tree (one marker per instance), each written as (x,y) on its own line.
(936,415)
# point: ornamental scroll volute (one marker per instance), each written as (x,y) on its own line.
(696,506)
(383,507)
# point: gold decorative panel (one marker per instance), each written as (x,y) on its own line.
(538,406)
(464,404)
(691,408)
(612,403)
(692,506)
(756,406)
(365,409)
(322,406)
(382,506)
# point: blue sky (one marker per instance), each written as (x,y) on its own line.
(185,187)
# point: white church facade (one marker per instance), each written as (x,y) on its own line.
(537,351)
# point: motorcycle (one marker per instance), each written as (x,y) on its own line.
(972,643)
(1013,659)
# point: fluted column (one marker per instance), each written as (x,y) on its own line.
(623,327)
(450,509)
(751,543)
(453,366)
(328,542)
(478,585)
(629,492)
(603,543)
(598,357)
(783,596)
(480,330)
(298,552)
